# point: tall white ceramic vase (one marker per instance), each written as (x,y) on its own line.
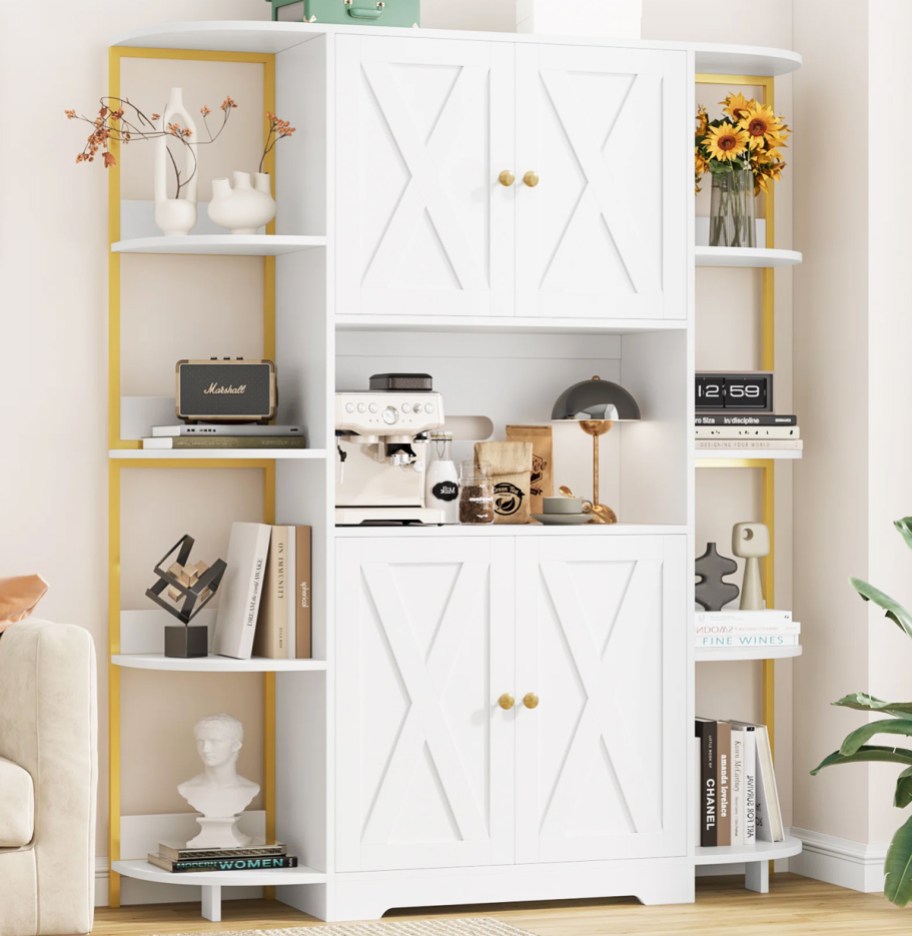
(176,216)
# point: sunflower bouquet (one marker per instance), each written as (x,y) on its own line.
(741,150)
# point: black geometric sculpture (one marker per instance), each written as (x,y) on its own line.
(711,593)
(184,590)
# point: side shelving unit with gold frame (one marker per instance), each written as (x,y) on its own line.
(756,871)
(128,455)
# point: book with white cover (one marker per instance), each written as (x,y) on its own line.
(764,617)
(747,432)
(749,776)
(242,588)
(737,785)
(228,429)
(726,641)
(769,812)
(271,637)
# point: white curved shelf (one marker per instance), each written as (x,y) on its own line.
(759,61)
(738,854)
(746,257)
(214,664)
(141,870)
(265,36)
(732,654)
(254,454)
(743,453)
(227,245)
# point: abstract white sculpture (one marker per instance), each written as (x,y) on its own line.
(218,792)
(751,542)
(176,216)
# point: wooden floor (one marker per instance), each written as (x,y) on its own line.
(794,905)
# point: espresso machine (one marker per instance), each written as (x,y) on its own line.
(381,451)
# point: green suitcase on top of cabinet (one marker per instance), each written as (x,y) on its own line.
(348,12)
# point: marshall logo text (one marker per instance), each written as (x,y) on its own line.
(220,389)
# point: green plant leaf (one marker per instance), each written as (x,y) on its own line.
(895,611)
(863,702)
(856,739)
(905,529)
(898,866)
(865,754)
(903,794)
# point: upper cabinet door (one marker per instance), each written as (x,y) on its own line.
(605,231)
(424,129)
(424,753)
(602,642)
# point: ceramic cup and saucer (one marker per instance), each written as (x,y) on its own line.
(565,511)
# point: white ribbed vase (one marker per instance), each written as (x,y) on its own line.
(243,207)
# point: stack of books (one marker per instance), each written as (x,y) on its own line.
(729,630)
(225,436)
(265,600)
(177,858)
(747,431)
(737,802)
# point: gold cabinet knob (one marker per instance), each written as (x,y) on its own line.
(531,179)
(506,178)
(506,701)
(530,700)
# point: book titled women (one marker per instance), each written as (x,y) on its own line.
(242,589)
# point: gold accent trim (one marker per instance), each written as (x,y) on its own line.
(113,679)
(506,701)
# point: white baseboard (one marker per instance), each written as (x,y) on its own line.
(839,861)
(101,882)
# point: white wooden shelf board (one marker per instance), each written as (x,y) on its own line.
(717,59)
(746,257)
(229,245)
(261,454)
(265,36)
(505,324)
(215,664)
(756,454)
(741,854)
(732,654)
(141,870)
(529,529)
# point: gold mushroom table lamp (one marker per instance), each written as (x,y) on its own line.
(596,405)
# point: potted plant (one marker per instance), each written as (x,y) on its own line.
(856,749)
(741,150)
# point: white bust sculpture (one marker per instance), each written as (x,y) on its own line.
(218,792)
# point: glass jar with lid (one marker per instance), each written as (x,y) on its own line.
(476,493)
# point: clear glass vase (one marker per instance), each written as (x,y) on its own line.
(731,217)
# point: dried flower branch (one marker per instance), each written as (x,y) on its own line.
(278,130)
(120,121)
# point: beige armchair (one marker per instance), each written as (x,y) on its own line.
(48,779)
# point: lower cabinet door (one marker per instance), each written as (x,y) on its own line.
(424,754)
(601,642)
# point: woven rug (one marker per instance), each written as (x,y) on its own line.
(475,926)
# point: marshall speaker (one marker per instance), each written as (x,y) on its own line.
(226,390)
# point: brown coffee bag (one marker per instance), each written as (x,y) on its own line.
(511,474)
(542,484)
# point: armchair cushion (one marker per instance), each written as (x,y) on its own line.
(17,805)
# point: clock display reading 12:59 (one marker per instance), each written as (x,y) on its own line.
(746,391)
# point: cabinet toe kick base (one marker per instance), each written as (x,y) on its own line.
(368,895)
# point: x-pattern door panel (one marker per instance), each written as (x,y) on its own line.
(425,756)
(603,233)
(601,641)
(423,225)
